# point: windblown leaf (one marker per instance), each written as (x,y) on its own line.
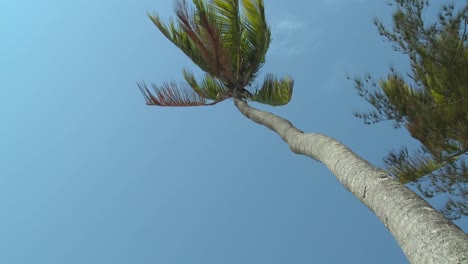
(211,35)
(187,43)
(256,38)
(229,23)
(210,88)
(275,91)
(197,35)
(171,94)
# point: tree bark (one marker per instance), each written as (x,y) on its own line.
(424,234)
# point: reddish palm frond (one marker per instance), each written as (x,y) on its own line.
(172,94)
(203,32)
(188,25)
(213,40)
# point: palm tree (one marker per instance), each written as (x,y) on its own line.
(229,41)
(229,45)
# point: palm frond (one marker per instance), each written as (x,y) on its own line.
(229,22)
(210,88)
(210,32)
(171,94)
(187,43)
(256,39)
(275,91)
(196,34)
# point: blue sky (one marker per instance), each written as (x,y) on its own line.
(90,174)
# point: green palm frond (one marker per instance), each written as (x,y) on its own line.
(211,33)
(229,23)
(182,40)
(171,94)
(256,38)
(210,88)
(197,35)
(275,91)
(245,35)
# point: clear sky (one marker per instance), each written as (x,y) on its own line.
(91,175)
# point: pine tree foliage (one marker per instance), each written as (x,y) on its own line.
(432,103)
(228,40)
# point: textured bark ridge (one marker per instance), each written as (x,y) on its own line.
(424,234)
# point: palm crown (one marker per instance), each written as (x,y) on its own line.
(226,39)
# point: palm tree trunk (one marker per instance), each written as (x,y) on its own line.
(424,234)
